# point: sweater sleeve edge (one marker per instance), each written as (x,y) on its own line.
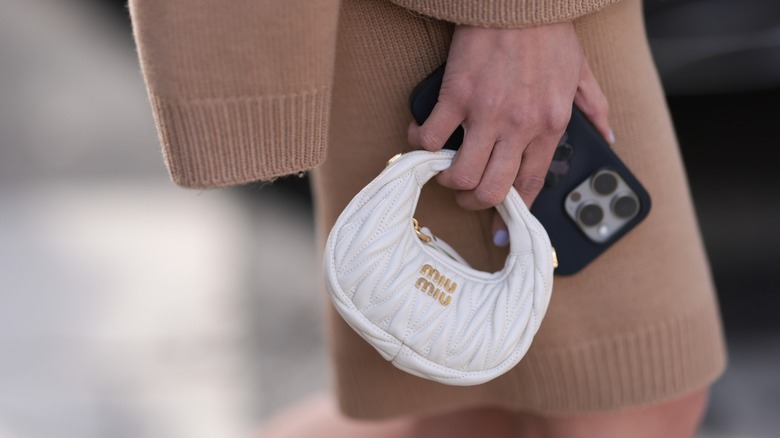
(504,13)
(218,142)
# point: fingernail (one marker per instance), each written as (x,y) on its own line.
(611,137)
(501,238)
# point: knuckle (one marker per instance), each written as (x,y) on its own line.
(532,119)
(518,116)
(489,195)
(430,140)
(465,181)
(555,120)
(529,184)
(486,104)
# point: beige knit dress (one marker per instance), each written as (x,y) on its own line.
(639,325)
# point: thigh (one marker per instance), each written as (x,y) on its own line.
(319,416)
(678,418)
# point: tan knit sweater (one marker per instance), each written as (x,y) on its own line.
(241,90)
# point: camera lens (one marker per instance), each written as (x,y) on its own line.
(605,182)
(625,206)
(590,214)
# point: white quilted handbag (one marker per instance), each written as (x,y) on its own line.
(416,300)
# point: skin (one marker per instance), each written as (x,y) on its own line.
(512,90)
(319,416)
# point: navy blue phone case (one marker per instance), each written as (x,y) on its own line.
(582,152)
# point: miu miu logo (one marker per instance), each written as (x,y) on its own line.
(436,285)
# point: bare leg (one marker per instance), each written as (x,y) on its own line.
(319,417)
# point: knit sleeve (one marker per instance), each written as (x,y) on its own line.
(504,13)
(240,89)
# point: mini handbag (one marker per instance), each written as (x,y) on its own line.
(415,300)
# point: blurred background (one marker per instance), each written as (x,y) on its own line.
(132,308)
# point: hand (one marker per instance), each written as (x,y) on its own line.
(512,90)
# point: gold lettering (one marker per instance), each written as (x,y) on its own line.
(430,272)
(425,286)
(448,286)
(441,293)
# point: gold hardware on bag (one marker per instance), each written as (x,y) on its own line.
(393,158)
(417,229)
(555,258)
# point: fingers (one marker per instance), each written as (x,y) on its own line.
(533,168)
(512,90)
(590,99)
(529,182)
(443,121)
(522,162)
(498,174)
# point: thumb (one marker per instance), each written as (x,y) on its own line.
(590,99)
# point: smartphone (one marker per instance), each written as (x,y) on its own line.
(590,198)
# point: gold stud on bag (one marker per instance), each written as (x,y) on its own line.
(414,299)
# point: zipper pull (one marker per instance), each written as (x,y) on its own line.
(426,238)
(424,234)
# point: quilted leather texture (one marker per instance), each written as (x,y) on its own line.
(428,313)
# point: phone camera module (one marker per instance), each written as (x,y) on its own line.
(590,215)
(625,206)
(604,182)
(602,205)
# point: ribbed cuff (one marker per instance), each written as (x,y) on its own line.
(220,142)
(504,13)
(628,370)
